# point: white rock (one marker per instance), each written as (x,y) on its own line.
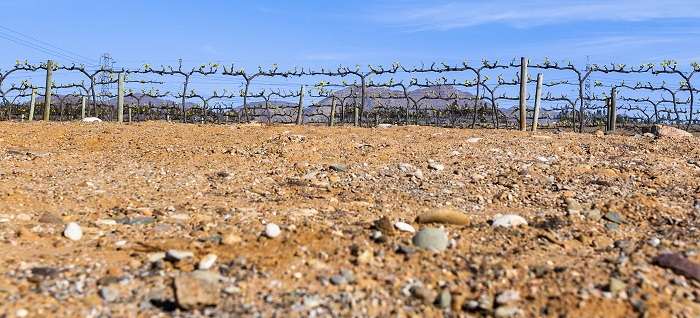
(402,226)
(176,255)
(405,166)
(509,220)
(21,312)
(91,120)
(436,166)
(73,231)
(473,139)
(454,153)
(207,261)
(272,230)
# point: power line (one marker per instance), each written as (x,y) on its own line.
(82,58)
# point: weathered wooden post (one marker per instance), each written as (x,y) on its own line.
(82,108)
(120,98)
(538,96)
(32,103)
(331,121)
(300,108)
(613,110)
(47,96)
(523,92)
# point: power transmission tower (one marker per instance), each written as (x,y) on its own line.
(106,65)
(587,88)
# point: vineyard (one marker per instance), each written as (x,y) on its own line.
(482,95)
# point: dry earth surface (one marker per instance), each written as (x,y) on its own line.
(160,219)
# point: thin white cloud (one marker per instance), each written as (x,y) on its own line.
(524,14)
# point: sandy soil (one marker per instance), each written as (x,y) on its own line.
(599,210)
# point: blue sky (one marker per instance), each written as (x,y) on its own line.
(329,33)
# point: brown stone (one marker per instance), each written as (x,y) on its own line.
(384,225)
(192,293)
(446,216)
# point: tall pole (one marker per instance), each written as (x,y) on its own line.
(120,98)
(300,108)
(538,96)
(47,96)
(523,92)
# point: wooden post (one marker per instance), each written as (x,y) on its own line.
(47,96)
(331,122)
(613,109)
(32,103)
(120,98)
(538,96)
(300,108)
(131,106)
(523,92)
(82,108)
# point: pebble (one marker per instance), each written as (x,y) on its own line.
(426,295)
(193,293)
(473,139)
(73,231)
(614,217)
(338,280)
(507,296)
(21,312)
(616,285)
(50,219)
(207,261)
(431,238)
(405,166)
(508,311)
(384,226)
(508,220)
(338,167)
(435,166)
(454,153)
(446,216)
(231,239)
(405,227)
(654,241)
(272,230)
(445,299)
(176,255)
(109,293)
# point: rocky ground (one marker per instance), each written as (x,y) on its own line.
(160,219)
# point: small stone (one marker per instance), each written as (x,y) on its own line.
(109,293)
(365,257)
(507,296)
(73,231)
(383,225)
(508,220)
(272,230)
(50,219)
(193,293)
(338,167)
(473,139)
(446,216)
(616,285)
(445,300)
(614,217)
(405,227)
(338,280)
(207,261)
(612,227)
(654,241)
(454,153)
(508,311)
(593,215)
(426,295)
(176,255)
(21,312)
(231,239)
(435,166)
(431,238)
